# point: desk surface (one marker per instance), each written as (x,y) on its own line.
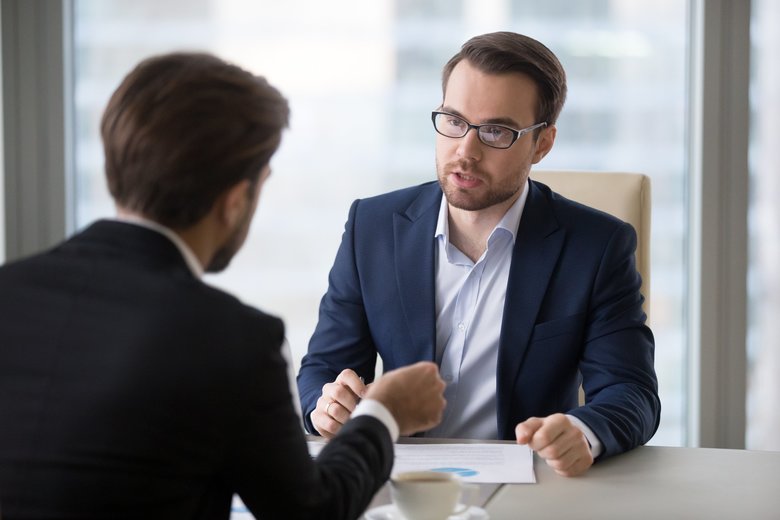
(649,482)
(654,483)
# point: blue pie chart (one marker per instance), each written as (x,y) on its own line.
(461,472)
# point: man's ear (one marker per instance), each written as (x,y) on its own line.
(544,143)
(232,204)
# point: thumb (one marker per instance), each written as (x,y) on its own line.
(525,430)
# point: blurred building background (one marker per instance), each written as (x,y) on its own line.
(763,423)
(362,78)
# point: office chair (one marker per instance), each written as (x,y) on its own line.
(624,195)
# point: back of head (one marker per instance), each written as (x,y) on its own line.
(181,129)
(508,52)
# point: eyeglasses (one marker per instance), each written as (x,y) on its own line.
(496,136)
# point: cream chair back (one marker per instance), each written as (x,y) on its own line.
(624,195)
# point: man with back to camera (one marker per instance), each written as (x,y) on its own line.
(131,389)
(513,290)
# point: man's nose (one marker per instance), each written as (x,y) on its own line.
(470,147)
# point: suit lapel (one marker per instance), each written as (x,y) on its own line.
(414,268)
(537,247)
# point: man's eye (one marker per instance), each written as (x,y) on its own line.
(494,133)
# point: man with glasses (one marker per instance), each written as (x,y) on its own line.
(518,294)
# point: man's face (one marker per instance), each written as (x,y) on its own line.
(472,175)
(238,234)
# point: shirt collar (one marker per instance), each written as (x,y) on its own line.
(189,257)
(510,221)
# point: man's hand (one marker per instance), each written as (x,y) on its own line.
(337,402)
(559,442)
(413,394)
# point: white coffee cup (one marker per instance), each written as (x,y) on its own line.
(428,495)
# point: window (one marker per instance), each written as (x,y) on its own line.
(764,235)
(341,61)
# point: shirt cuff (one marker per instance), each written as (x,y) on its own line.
(374,408)
(595,444)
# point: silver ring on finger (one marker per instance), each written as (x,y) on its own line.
(327,409)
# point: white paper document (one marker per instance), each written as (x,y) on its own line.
(479,463)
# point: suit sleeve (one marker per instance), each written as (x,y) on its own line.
(342,338)
(621,390)
(270,466)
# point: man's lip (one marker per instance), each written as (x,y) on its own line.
(466,175)
(465,180)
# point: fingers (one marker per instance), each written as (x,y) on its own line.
(569,455)
(559,442)
(325,424)
(353,382)
(525,431)
(575,463)
(337,402)
(413,394)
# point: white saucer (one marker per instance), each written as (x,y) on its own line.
(389,512)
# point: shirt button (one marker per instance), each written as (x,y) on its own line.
(448,378)
(461,326)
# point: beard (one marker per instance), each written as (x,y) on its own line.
(228,250)
(470,200)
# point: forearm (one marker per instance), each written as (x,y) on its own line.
(617,363)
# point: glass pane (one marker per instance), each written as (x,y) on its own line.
(764,217)
(344,62)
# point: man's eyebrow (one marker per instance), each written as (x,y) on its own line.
(506,121)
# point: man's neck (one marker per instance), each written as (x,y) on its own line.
(191,238)
(469,230)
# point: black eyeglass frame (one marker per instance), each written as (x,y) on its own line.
(516,134)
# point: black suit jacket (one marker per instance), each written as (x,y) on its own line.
(131,389)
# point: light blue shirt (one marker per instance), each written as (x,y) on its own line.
(470,300)
(469,312)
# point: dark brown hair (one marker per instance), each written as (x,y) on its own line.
(181,129)
(507,52)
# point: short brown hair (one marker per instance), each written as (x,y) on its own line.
(506,52)
(181,129)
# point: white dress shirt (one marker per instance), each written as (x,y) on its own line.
(470,300)
(469,312)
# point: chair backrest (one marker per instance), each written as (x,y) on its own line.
(624,195)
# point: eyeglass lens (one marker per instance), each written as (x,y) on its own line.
(492,135)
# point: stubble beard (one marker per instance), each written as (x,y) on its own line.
(467,200)
(225,254)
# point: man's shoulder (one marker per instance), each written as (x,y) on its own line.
(228,304)
(571,213)
(401,199)
(210,311)
(154,286)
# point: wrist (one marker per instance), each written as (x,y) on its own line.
(375,408)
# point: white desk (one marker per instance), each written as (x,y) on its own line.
(649,482)
(652,483)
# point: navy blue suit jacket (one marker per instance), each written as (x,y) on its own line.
(573,312)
